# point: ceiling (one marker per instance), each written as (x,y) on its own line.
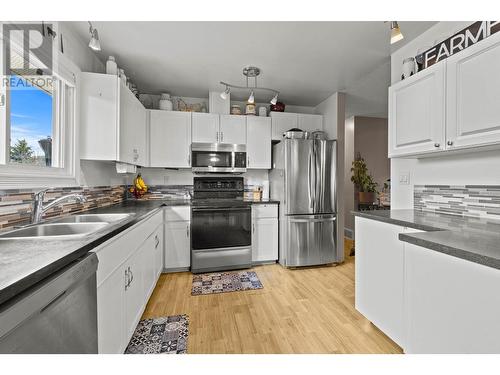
(305,61)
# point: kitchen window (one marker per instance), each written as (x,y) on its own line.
(37,121)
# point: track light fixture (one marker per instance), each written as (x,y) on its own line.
(396,34)
(274,100)
(251,98)
(249,72)
(225,93)
(94,43)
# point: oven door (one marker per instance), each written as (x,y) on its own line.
(216,228)
(221,238)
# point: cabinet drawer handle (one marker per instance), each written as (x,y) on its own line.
(248,161)
(157,241)
(189,159)
(436,145)
(127,281)
(217,136)
(187,231)
(253,228)
(450,143)
(131,276)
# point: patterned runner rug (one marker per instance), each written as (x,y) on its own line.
(164,335)
(222,282)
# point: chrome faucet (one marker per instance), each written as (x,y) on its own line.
(39,209)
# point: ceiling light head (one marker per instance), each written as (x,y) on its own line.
(94,43)
(274,100)
(251,98)
(396,34)
(224,94)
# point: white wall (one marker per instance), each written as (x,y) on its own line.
(348,185)
(333,111)
(478,168)
(78,51)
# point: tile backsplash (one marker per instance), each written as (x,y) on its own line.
(15,205)
(461,200)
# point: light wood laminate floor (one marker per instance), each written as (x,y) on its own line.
(298,311)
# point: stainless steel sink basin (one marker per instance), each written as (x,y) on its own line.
(93,218)
(58,230)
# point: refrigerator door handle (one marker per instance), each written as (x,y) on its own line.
(310,188)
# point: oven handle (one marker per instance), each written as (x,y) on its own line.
(222,209)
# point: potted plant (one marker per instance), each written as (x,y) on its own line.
(367,188)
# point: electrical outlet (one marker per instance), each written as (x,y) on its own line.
(404,178)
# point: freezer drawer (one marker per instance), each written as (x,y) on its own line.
(311,240)
(221,259)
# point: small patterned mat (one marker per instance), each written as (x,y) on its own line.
(164,335)
(222,282)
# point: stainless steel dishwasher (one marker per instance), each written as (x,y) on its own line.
(58,315)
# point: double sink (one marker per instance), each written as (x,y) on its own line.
(66,227)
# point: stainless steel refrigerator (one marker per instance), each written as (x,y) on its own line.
(303,179)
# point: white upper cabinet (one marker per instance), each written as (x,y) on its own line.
(233,129)
(473,95)
(112,121)
(170,139)
(205,127)
(416,113)
(453,104)
(214,128)
(309,122)
(281,122)
(132,132)
(258,142)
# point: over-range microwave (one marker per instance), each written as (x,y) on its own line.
(218,158)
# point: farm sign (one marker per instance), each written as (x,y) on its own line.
(465,38)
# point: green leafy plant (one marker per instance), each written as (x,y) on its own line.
(21,152)
(360,176)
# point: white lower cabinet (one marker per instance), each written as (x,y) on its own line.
(136,268)
(452,305)
(177,238)
(379,287)
(126,276)
(265,233)
(426,301)
(110,312)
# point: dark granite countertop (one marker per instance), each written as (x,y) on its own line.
(470,238)
(24,262)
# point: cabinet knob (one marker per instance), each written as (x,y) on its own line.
(436,145)
(449,143)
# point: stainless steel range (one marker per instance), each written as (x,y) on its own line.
(221,222)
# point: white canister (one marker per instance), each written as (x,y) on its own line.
(409,67)
(165,102)
(262,111)
(111,67)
